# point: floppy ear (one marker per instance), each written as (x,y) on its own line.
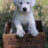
(33,2)
(15,2)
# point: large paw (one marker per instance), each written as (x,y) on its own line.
(34,33)
(20,33)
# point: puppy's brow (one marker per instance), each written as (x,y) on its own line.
(24,1)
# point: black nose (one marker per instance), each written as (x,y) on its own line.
(24,9)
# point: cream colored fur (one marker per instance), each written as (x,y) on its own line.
(21,17)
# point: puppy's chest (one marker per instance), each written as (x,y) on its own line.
(24,20)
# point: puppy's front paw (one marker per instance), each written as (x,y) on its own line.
(34,33)
(20,33)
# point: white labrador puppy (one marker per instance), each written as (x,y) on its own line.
(23,15)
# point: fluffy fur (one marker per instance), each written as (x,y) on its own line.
(23,15)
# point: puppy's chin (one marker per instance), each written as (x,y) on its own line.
(25,11)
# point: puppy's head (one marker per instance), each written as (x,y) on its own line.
(24,5)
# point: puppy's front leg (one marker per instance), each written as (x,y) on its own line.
(32,28)
(20,32)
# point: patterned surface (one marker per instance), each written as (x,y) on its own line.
(12,41)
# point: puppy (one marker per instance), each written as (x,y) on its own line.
(23,15)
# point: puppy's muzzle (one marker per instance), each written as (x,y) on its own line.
(24,9)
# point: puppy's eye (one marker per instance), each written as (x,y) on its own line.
(20,2)
(27,2)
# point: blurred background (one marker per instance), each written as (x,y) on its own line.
(7,8)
